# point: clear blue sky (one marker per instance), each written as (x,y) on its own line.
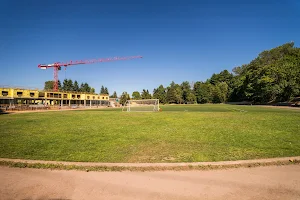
(179,40)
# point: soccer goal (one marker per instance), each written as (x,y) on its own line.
(143,105)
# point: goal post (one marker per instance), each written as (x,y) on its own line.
(143,105)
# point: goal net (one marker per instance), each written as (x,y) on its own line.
(144,105)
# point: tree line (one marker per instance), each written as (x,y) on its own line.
(69,85)
(273,76)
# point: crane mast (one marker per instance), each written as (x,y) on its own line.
(57,65)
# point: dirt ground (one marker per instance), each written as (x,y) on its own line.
(273,182)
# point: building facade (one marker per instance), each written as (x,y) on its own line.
(18,97)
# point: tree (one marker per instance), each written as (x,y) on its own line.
(191,98)
(203,92)
(136,95)
(68,85)
(114,95)
(102,90)
(216,94)
(81,89)
(271,77)
(223,91)
(171,95)
(124,98)
(65,86)
(106,91)
(146,95)
(187,93)
(48,85)
(84,87)
(178,92)
(160,93)
(75,86)
(223,76)
(92,90)
(174,93)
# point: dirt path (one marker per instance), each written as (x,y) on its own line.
(273,182)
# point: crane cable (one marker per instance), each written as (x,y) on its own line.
(65,72)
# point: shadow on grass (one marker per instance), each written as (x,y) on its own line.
(101,109)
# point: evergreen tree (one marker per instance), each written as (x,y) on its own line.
(171,95)
(86,87)
(65,86)
(146,95)
(76,86)
(114,95)
(81,89)
(70,85)
(102,90)
(106,91)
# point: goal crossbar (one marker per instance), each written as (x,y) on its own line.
(141,105)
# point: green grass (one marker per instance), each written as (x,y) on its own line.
(178,134)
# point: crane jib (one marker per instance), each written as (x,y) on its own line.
(57,66)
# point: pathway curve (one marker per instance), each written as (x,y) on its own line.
(271,182)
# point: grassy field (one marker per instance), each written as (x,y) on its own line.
(178,134)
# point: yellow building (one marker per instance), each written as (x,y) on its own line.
(18,97)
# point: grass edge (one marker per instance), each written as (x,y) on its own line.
(52,166)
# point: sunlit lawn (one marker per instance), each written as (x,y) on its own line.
(177,134)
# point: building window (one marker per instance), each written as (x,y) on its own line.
(19,94)
(31,94)
(41,94)
(4,93)
(65,96)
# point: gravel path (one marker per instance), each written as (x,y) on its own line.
(272,182)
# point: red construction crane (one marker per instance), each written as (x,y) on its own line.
(57,66)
